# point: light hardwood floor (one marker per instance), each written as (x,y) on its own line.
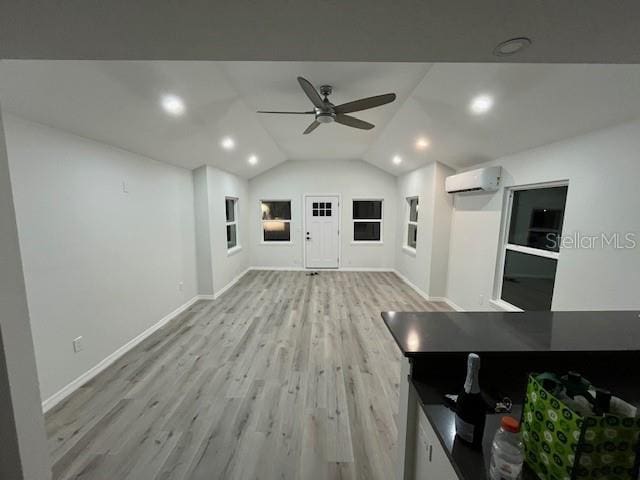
(284,376)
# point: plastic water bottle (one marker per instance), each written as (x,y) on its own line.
(507,451)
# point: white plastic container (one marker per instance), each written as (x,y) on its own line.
(507,451)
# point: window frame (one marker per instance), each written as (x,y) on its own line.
(405,244)
(505,245)
(367,220)
(289,221)
(235,222)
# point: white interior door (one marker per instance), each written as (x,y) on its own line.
(322,232)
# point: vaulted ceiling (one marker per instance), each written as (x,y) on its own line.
(118,102)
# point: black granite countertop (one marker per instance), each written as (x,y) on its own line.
(469,463)
(446,332)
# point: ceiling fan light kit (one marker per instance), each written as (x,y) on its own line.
(327,112)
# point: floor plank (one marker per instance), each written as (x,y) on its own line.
(285,376)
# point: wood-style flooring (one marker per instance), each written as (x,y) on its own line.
(284,376)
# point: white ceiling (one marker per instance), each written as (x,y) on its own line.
(273,86)
(117,102)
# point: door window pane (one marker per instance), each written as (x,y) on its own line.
(412,235)
(276,210)
(230,210)
(276,231)
(367,209)
(537,216)
(528,280)
(366,231)
(232,240)
(413,209)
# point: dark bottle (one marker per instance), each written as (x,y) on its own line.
(471,409)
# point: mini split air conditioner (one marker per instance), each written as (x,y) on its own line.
(480,180)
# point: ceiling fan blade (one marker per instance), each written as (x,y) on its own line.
(353,122)
(287,113)
(311,92)
(365,103)
(311,127)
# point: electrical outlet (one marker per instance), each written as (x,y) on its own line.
(181,286)
(125,187)
(78,345)
(481,300)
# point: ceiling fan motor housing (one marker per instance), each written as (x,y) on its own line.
(326,116)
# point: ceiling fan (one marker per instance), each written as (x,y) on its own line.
(327,112)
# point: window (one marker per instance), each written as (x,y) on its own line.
(231,211)
(276,220)
(367,220)
(412,228)
(321,209)
(531,249)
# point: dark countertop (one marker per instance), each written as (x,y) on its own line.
(469,463)
(418,333)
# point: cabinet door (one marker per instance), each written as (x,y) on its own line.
(431,461)
(423,457)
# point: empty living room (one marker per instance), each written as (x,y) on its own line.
(319,240)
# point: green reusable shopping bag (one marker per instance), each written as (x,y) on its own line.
(562,445)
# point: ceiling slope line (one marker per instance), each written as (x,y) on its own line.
(393,117)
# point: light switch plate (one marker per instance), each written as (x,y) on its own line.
(78,345)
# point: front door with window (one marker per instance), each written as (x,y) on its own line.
(322,232)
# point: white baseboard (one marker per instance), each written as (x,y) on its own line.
(279,269)
(366,269)
(453,305)
(418,290)
(424,295)
(339,269)
(67,390)
(230,284)
(502,306)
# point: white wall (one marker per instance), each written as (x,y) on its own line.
(603,170)
(351,179)
(442,213)
(415,265)
(23,445)
(426,268)
(203,234)
(98,262)
(227,265)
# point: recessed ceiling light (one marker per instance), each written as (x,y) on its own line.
(228,143)
(511,46)
(173,105)
(397,159)
(481,104)
(422,143)
(253,159)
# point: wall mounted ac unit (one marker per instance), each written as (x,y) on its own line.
(480,180)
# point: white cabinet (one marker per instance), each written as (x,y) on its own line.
(431,461)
